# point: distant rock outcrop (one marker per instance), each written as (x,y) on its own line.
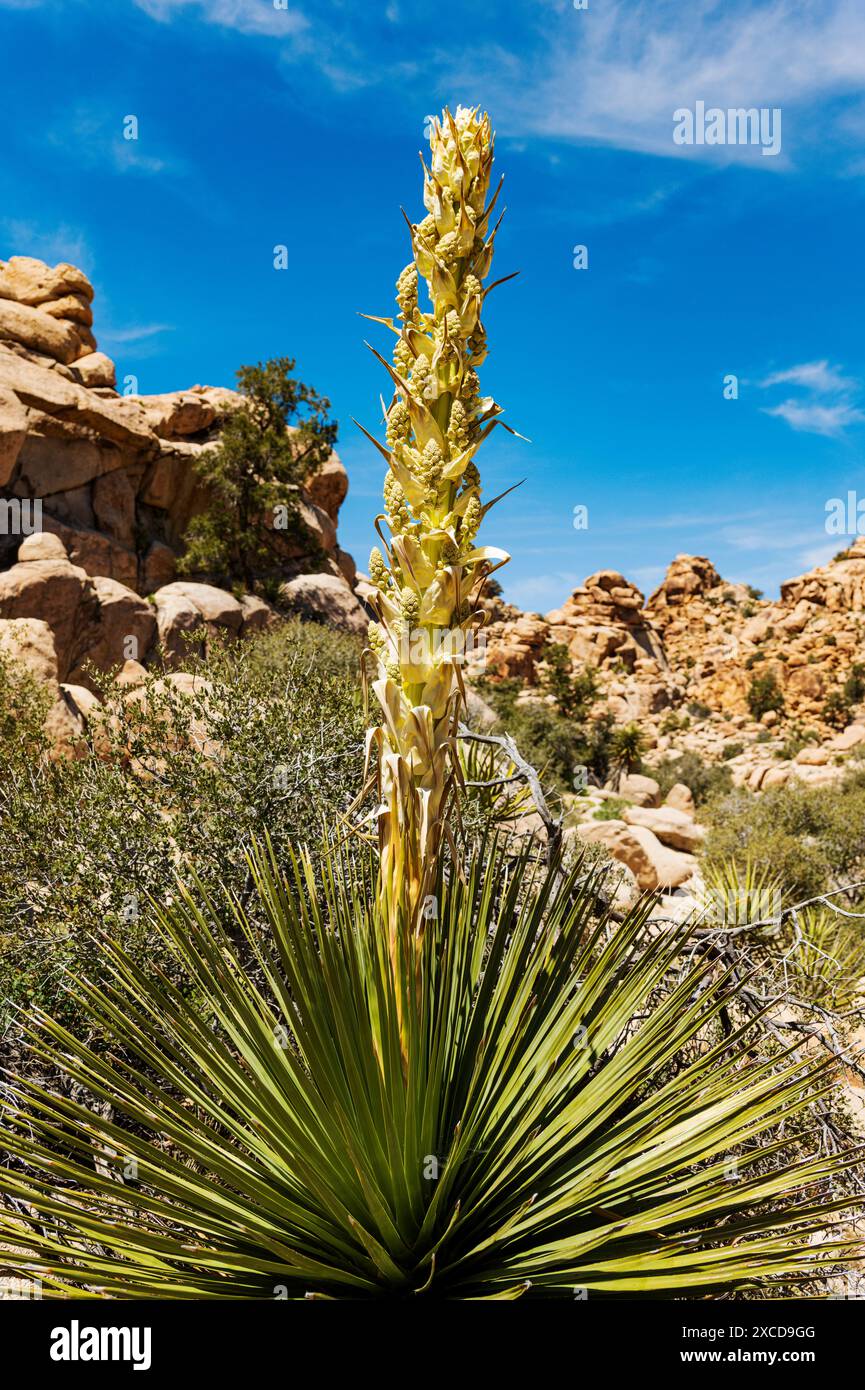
(698,641)
(114,474)
(96,491)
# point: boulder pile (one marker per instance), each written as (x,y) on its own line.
(96,491)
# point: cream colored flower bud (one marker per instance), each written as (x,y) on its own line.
(471,520)
(395,504)
(403,357)
(398,424)
(458,426)
(406,291)
(378,571)
(471,475)
(448,249)
(409,606)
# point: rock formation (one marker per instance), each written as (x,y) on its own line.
(698,640)
(113,473)
(96,490)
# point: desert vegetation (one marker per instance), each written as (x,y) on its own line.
(311,986)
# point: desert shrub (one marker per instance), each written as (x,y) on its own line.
(764,694)
(86,842)
(835,710)
(573,691)
(673,722)
(553,743)
(698,710)
(797,738)
(840,703)
(854,686)
(23,707)
(612,808)
(813,837)
(704,779)
(828,957)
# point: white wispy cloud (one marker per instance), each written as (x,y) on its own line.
(615,74)
(134,336)
(684,521)
(778,550)
(820,554)
(647,577)
(94,138)
(542,592)
(816,376)
(828,405)
(814,418)
(246,16)
(20,237)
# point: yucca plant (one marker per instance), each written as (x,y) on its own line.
(354,1096)
(572,1117)
(430,576)
(627,746)
(742,895)
(828,957)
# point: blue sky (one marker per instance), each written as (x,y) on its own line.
(261,125)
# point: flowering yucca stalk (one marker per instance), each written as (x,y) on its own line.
(431,571)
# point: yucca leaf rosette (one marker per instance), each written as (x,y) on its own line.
(430,570)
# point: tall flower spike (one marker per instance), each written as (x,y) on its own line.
(428,584)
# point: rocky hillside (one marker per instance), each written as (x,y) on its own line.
(96,490)
(701,642)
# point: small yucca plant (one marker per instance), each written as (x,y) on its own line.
(430,572)
(571,1116)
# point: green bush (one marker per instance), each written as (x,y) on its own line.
(797,739)
(698,710)
(813,837)
(573,692)
(554,744)
(268,448)
(840,703)
(704,779)
(627,746)
(764,694)
(612,808)
(86,842)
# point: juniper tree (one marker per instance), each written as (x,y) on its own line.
(269,447)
